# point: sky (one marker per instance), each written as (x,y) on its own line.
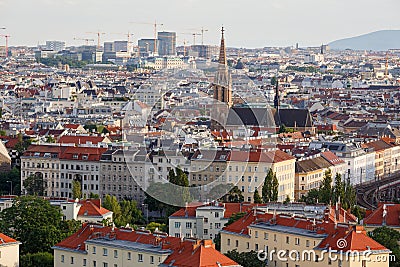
(248,23)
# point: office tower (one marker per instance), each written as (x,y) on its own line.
(109,47)
(167,43)
(120,46)
(146,46)
(55,45)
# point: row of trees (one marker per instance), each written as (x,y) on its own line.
(341,191)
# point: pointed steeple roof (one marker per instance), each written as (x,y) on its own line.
(222,49)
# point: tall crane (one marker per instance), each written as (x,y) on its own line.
(155,25)
(99,34)
(6,36)
(202,31)
(387,66)
(193,34)
(87,40)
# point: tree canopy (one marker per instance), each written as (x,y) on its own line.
(270,187)
(37,224)
(124,212)
(34,184)
(246,259)
(390,239)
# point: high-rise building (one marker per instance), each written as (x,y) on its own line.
(167,43)
(204,51)
(109,47)
(120,46)
(146,46)
(55,45)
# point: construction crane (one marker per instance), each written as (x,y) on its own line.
(6,36)
(202,31)
(194,36)
(99,34)
(155,25)
(87,40)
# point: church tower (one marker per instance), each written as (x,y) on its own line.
(223,82)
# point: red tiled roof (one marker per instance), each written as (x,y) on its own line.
(260,156)
(78,153)
(71,126)
(332,158)
(186,253)
(230,209)
(82,139)
(92,208)
(6,239)
(392,215)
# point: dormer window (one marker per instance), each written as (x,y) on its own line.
(75,156)
(85,157)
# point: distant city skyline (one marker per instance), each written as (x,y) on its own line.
(248,24)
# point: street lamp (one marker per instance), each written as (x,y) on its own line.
(11,188)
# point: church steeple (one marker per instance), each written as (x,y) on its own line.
(276,100)
(223,82)
(222,50)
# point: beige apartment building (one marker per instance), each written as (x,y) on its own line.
(292,241)
(245,169)
(98,246)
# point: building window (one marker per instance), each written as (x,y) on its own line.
(151,259)
(84,262)
(287,240)
(129,256)
(228,242)
(297,241)
(364,263)
(237,243)
(188,225)
(115,253)
(105,264)
(216,214)
(94,250)
(177,224)
(205,232)
(105,252)
(248,245)
(140,257)
(62,258)
(266,236)
(94,263)
(217,225)
(205,220)
(72,260)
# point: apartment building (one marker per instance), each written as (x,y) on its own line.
(99,246)
(204,221)
(124,178)
(300,242)
(245,169)
(59,166)
(9,251)
(360,162)
(248,169)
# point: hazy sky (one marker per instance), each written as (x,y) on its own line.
(250,23)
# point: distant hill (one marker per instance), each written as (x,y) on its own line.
(377,41)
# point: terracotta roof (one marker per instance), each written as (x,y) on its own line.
(83,153)
(230,209)
(377,145)
(392,215)
(186,253)
(92,208)
(355,236)
(83,139)
(260,156)
(332,158)
(6,239)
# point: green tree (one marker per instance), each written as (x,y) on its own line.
(93,196)
(338,189)
(130,213)
(246,259)
(350,195)
(325,189)
(8,179)
(76,190)
(34,184)
(287,200)
(111,203)
(37,224)
(270,187)
(390,239)
(50,139)
(257,198)
(42,259)
(311,197)
(217,241)
(234,195)
(154,225)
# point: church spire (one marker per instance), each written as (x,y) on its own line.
(276,100)
(222,49)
